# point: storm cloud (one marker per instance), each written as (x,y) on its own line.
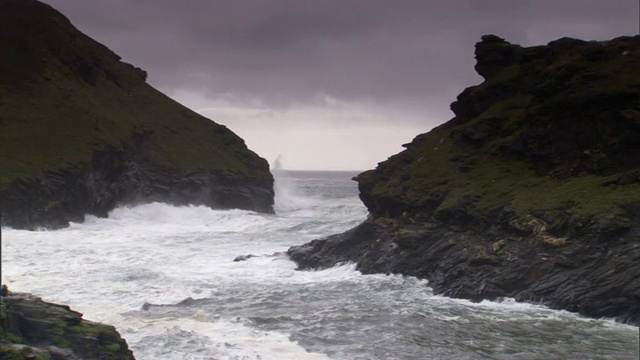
(361,61)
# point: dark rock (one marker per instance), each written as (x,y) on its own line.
(531,191)
(582,276)
(609,225)
(243,257)
(493,54)
(337,248)
(31,327)
(81,132)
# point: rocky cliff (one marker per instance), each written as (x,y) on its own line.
(33,329)
(81,131)
(531,191)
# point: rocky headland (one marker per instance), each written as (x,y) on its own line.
(82,132)
(531,191)
(33,329)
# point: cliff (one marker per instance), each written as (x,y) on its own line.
(81,132)
(531,191)
(33,329)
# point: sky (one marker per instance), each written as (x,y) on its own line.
(329,84)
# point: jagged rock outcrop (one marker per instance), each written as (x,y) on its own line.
(33,329)
(531,191)
(81,131)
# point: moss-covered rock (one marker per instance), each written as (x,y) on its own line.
(33,329)
(530,191)
(81,131)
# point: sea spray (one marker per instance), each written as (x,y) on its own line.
(288,196)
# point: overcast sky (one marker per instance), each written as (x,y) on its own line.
(328,84)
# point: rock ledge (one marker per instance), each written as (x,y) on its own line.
(34,329)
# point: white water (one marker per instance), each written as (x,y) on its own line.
(200,304)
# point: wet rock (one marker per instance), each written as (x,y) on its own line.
(34,329)
(243,257)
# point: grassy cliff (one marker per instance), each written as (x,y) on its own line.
(552,130)
(66,100)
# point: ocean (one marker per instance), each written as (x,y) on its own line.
(166,278)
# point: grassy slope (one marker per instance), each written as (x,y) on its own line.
(447,167)
(64,96)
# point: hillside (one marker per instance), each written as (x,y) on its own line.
(531,191)
(81,131)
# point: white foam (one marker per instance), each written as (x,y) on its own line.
(508,309)
(159,254)
(203,336)
(288,196)
(159,218)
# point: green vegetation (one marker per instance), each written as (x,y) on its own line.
(65,97)
(43,324)
(14,339)
(554,132)
(7,353)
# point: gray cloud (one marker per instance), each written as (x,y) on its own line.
(413,52)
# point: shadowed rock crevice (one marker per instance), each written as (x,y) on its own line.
(531,191)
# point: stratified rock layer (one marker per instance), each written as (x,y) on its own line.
(33,329)
(531,191)
(81,132)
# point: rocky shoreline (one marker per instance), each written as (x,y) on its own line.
(34,329)
(590,278)
(531,191)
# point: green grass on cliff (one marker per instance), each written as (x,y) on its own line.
(62,122)
(64,97)
(553,133)
(491,183)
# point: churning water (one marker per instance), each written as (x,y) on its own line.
(165,277)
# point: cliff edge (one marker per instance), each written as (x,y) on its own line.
(531,191)
(81,132)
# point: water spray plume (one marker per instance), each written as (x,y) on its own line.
(289,197)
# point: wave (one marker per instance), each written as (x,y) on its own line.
(293,201)
(204,337)
(163,218)
(288,196)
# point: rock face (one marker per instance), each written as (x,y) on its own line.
(531,191)
(33,329)
(81,131)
